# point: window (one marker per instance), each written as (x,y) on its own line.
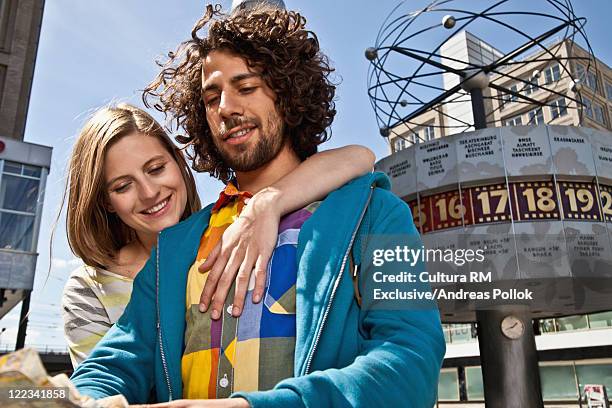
(429,133)
(19,188)
(558,382)
(536,117)
(558,108)
(4,23)
(446,329)
(399,144)
(600,116)
(513,88)
(588,107)
(580,70)
(594,111)
(547,326)
(571,323)
(474,386)
(503,100)
(598,320)
(16,231)
(461,333)
(532,86)
(448,385)
(594,374)
(18,193)
(413,137)
(609,91)
(552,74)
(514,121)
(578,322)
(589,78)
(507,97)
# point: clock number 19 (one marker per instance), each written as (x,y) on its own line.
(583,196)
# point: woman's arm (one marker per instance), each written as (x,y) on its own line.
(246,246)
(123,361)
(319,175)
(85,320)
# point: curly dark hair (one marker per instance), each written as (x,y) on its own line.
(275,44)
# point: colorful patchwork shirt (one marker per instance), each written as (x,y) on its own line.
(255,351)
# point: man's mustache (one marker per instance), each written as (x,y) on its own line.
(236,121)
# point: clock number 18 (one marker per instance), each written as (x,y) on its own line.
(541,199)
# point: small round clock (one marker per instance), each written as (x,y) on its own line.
(512,327)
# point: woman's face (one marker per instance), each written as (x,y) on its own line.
(144,184)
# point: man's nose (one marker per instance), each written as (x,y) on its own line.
(229,105)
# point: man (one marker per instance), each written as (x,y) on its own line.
(254,99)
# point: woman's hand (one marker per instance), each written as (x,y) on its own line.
(244,249)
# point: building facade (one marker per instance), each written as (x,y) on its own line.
(594,83)
(23,166)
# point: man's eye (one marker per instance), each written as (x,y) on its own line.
(211,101)
(247,89)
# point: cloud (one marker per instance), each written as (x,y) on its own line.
(75,262)
(60,263)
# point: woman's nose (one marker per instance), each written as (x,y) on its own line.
(149,190)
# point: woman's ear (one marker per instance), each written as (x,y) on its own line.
(109,207)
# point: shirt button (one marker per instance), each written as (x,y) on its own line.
(224,382)
(229,309)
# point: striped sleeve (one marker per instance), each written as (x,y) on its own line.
(85,317)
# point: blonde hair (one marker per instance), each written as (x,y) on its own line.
(95,234)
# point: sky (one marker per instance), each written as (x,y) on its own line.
(92,53)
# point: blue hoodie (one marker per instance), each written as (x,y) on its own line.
(345,356)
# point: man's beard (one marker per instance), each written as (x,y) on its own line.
(245,157)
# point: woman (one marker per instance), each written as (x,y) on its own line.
(128,181)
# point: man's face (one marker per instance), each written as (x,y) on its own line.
(245,124)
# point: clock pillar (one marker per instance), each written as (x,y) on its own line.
(509,359)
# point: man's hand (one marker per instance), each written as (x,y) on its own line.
(245,248)
(220,403)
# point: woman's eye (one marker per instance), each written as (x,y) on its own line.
(122,188)
(157,170)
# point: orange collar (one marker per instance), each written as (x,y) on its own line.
(229,193)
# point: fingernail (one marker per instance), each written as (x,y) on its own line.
(202,307)
(256,298)
(235,311)
(214,314)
